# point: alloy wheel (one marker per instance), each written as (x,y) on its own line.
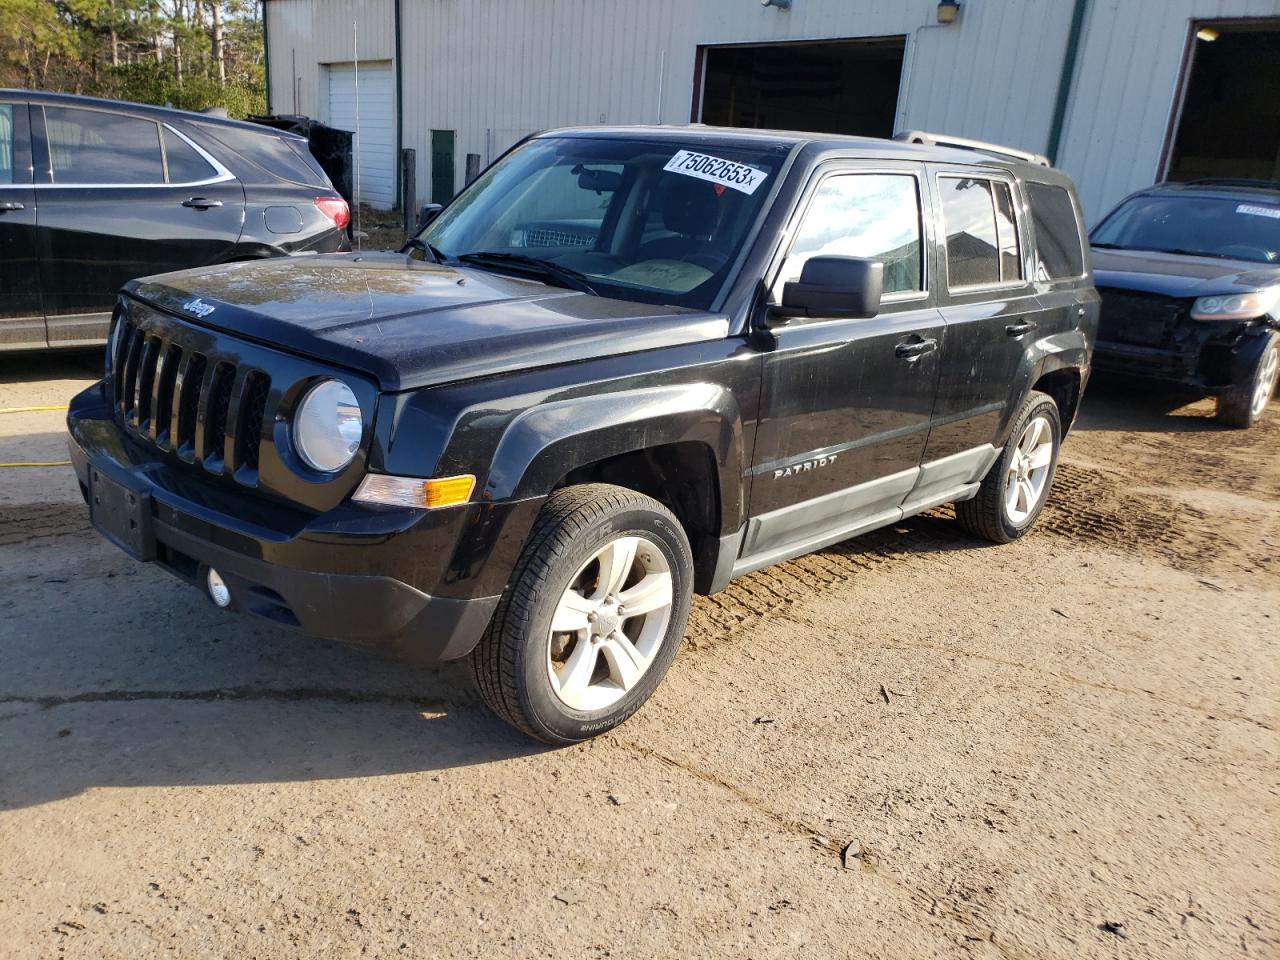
(610,623)
(1266,386)
(1028,472)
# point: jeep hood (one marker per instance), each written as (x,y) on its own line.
(412,324)
(1178,275)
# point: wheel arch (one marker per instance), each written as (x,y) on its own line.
(675,443)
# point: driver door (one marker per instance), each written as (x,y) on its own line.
(846,404)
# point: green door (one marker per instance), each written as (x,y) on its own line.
(441,166)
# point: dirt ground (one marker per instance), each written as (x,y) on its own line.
(907,746)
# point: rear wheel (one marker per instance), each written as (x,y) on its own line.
(1244,403)
(1016,487)
(592,617)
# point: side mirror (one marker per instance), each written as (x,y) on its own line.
(428,213)
(830,287)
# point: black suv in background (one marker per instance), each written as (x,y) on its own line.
(1190,280)
(97,192)
(624,366)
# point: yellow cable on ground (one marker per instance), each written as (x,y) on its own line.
(38,463)
(31,409)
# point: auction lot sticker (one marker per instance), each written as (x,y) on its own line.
(735,176)
(1245,208)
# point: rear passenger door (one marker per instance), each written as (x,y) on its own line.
(21,320)
(121,196)
(991,312)
(846,404)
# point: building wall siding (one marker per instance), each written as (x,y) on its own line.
(494,70)
(1122,101)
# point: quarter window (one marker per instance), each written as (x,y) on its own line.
(981,231)
(868,215)
(1059,252)
(184,164)
(91,146)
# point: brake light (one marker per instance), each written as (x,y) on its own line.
(336,209)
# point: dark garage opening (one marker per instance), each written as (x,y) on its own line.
(1230,122)
(843,86)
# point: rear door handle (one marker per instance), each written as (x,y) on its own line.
(11,205)
(200,203)
(915,349)
(1021,327)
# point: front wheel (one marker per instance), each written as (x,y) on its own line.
(591,618)
(1244,403)
(1016,487)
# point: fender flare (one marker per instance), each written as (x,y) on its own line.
(1068,350)
(546,442)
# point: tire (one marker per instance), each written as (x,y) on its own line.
(575,684)
(991,515)
(1243,404)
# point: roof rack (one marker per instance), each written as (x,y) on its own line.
(943,140)
(1231,182)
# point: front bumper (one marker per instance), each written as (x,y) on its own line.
(352,573)
(1207,356)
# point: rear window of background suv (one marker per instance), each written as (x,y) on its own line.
(270,153)
(1059,241)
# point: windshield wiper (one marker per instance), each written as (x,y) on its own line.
(417,243)
(1107,246)
(557,274)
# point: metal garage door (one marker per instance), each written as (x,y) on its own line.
(376,127)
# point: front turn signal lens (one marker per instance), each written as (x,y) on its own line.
(414,491)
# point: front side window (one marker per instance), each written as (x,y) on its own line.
(1245,227)
(868,215)
(95,147)
(981,231)
(646,220)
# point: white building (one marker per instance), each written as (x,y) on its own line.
(1120,93)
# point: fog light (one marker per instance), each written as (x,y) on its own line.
(219,592)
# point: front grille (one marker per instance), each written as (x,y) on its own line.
(1140,319)
(209,411)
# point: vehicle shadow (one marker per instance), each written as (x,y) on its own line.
(33,367)
(1115,403)
(117,675)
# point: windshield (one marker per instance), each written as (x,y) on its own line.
(1232,229)
(633,219)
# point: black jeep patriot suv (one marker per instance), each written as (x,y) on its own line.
(623,366)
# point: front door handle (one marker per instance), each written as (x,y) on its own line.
(915,349)
(200,203)
(11,205)
(1021,327)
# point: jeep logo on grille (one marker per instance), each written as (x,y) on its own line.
(198,307)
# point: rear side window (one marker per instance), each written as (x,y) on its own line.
(1059,253)
(6,143)
(869,215)
(185,165)
(92,146)
(268,152)
(981,231)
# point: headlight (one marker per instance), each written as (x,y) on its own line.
(327,426)
(1236,306)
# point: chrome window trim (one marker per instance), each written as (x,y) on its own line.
(221,173)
